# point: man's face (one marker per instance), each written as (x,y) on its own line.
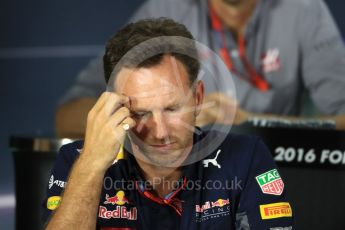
(164,106)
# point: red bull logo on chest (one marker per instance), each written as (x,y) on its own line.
(118,199)
(212,209)
(120,212)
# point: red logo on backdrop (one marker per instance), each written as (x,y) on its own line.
(270,61)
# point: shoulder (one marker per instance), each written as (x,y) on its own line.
(235,148)
(244,153)
(245,150)
(298,6)
(239,145)
(68,153)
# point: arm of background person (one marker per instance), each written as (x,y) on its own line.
(223,109)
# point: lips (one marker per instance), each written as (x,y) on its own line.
(163,146)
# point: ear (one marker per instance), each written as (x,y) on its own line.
(199,96)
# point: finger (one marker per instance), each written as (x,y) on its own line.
(205,119)
(213,96)
(128,123)
(128,104)
(93,113)
(222,99)
(227,100)
(111,107)
(118,117)
(114,102)
(100,103)
(120,131)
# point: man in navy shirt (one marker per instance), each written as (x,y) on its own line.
(144,164)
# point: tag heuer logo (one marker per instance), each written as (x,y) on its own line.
(270,182)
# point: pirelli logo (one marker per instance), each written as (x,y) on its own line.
(275,210)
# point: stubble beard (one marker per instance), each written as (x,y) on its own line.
(165,158)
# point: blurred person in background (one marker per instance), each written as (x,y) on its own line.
(276,50)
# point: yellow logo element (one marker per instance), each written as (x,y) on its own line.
(120,155)
(118,199)
(53,202)
(275,210)
(220,203)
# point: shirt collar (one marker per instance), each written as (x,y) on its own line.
(254,19)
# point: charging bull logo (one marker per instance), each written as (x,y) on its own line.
(118,199)
(220,203)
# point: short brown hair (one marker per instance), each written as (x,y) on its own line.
(134,34)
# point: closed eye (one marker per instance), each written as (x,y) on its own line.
(173,108)
(139,114)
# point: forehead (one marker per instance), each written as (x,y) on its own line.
(166,80)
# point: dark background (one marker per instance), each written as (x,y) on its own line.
(43,46)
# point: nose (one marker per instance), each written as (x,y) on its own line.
(159,129)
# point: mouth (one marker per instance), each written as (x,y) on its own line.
(165,146)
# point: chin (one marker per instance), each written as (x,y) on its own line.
(171,159)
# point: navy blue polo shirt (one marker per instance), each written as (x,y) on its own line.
(237,186)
